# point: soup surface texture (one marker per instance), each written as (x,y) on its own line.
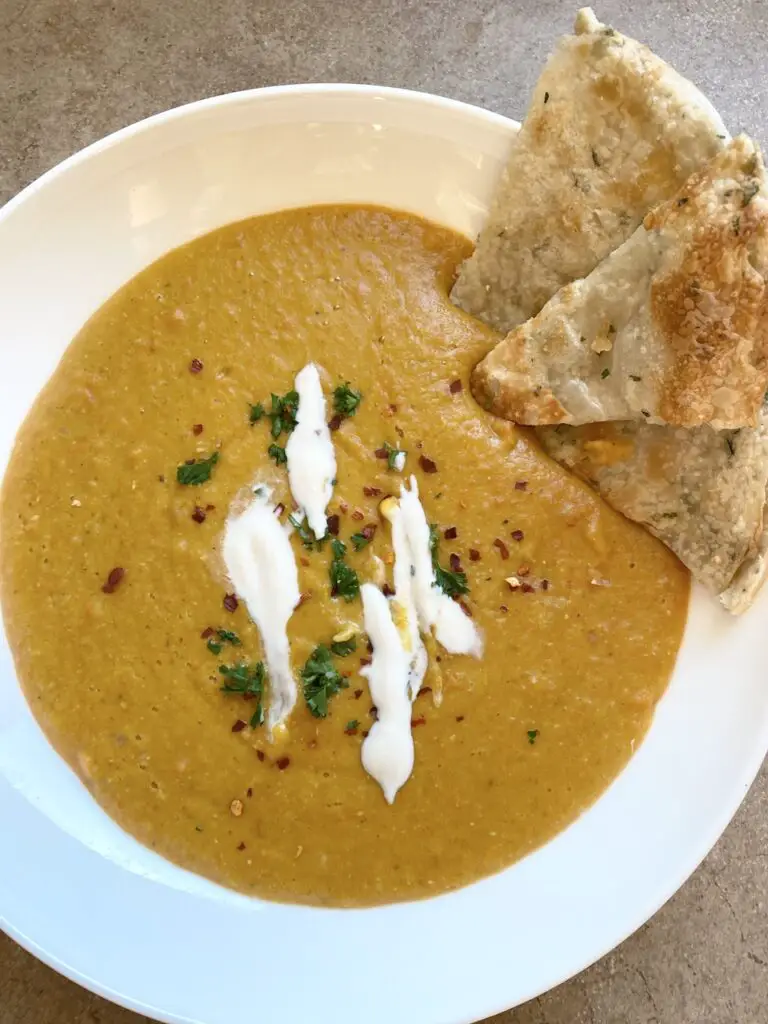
(510,748)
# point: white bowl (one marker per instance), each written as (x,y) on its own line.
(105,911)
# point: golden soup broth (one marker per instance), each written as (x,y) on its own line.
(127,690)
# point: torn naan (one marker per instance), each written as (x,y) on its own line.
(703,492)
(611,131)
(672,326)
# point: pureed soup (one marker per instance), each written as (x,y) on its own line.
(137,652)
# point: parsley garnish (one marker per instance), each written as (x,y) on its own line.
(223,636)
(257,411)
(454,584)
(247,680)
(532,734)
(606,373)
(197,471)
(360,540)
(392,454)
(341,648)
(283,413)
(305,535)
(278,454)
(344,581)
(346,400)
(352,725)
(321,681)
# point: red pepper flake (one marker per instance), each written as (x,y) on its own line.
(161,478)
(260,754)
(283,762)
(424,691)
(249,792)
(344,507)
(363,663)
(527,588)
(279,509)
(305,596)
(421,720)
(373,711)
(428,465)
(521,485)
(333,525)
(351,731)
(371,492)
(503,608)
(197,429)
(369,531)
(335,422)
(393,409)
(545,584)
(359,693)
(113,580)
(387,591)
(208,631)
(474,555)
(459,718)
(196,366)
(517,535)
(238,726)
(209,508)
(503,549)
(364,734)
(304,561)
(399,431)
(199,514)
(524,570)
(451,533)
(368,645)
(230,602)
(241,846)
(466,609)
(381,453)
(455,562)
(455,387)
(358,514)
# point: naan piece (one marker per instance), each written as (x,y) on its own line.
(704,493)
(610,132)
(672,326)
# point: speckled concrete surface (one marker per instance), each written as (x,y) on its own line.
(73,70)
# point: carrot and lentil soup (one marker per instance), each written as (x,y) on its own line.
(140,658)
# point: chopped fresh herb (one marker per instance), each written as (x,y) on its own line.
(750,190)
(305,535)
(454,584)
(360,540)
(196,471)
(341,648)
(352,725)
(257,411)
(532,734)
(278,454)
(606,373)
(346,400)
(283,413)
(344,580)
(393,456)
(247,680)
(221,637)
(214,646)
(635,378)
(321,681)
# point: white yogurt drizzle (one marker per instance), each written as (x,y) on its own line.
(310,454)
(399,658)
(261,565)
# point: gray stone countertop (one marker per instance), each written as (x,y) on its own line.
(73,70)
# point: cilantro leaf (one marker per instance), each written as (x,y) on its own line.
(197,471)
(341,648)
(305,535)
(278,454)
(344,579)
(321,681)
(454,584)
(283,413)
(257,411)
(360,540)
(247,680)
(346,400)
(393,456)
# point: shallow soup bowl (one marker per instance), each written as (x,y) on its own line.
(92,902)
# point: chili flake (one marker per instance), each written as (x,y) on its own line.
(196,366)
(455,387)
(283,762)
(474,555)
(113,580)
(421,720)
(371,492)
(260,754)
(428,465)
(521,485)
(199,514)
(238,726)
(230,602)
(197,428)
(517,535)
(451,533)
(333,525)
(503,549)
